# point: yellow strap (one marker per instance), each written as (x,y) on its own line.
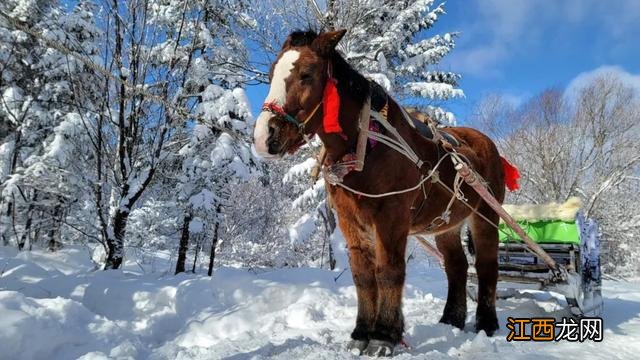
(312,114)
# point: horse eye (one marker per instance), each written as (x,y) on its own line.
(305,77)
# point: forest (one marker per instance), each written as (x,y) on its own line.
(125,127)
(137,220)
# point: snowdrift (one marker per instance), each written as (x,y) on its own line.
(56,306)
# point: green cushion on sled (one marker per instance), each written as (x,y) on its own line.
(543,232)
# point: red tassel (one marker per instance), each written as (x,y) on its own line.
(511,175)
(331,108)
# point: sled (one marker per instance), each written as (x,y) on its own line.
(565,236)
(570,239)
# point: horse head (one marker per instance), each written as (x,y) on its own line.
(292,110)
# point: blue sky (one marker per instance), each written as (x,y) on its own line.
(519,47)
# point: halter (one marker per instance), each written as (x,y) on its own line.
(278,110)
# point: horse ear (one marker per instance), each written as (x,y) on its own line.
(325,43)
(287,43)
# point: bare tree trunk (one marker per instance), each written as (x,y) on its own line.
(195,256)
(214,240)
(115,242)
(184,243)
(7,216)
(52,243)
(11,203)
(332,259)
(214,243)
(25,238)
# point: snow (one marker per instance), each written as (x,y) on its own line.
(302,229)
(61,147)
(434,90)
(56,306)
(298,170)
(196,226)
(12,99)
(315,192)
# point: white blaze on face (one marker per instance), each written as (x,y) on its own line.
(277,94)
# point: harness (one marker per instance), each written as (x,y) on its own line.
(375,128)
(276,109)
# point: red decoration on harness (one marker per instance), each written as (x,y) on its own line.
(373,126)
(331,107)
(511,175)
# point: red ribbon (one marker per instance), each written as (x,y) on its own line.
(511,175)
(331,107)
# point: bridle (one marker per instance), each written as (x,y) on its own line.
(278,110)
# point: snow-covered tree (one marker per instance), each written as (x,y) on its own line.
(33,188)
(121,88)
(212,162)
(174,52)
(385,41)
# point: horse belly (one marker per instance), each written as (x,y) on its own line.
(432,220)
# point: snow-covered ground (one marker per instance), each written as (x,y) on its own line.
(55,306)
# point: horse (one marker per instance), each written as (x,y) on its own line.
(306,71)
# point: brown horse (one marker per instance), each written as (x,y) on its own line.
(376,229)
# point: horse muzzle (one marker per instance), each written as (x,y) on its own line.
(266,140)
(274,143)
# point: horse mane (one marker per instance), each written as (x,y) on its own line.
(350,82)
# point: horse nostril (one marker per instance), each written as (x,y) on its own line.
(273,147)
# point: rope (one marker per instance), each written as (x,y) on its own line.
(399,141)
(475,211)
(432,174)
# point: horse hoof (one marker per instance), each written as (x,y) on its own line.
(379,348)
(490,326)
(356,347)
(457,322)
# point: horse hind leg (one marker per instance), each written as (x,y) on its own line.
(485,241)
(456,265)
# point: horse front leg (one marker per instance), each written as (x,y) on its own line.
(366,289)
(390,275)
(361,258)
